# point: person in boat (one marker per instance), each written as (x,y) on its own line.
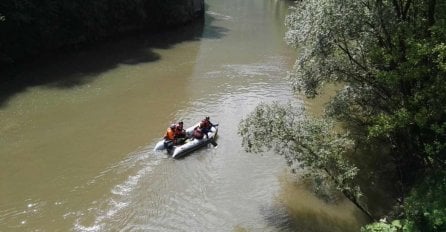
(169,137)
(180,133)
(198,132)
(206,125)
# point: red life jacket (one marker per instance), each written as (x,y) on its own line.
(179,132)
(206,124)
(198,134)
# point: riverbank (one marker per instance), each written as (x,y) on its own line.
(33,28)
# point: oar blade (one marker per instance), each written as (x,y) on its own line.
(212,141)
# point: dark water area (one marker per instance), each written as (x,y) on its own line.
(68,68)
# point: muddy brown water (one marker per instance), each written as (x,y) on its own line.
(77,133)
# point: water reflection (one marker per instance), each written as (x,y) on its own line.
(298,209)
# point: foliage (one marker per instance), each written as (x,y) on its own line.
(309,143)
(30,26)
(291,133)
(391,57)
(425,208)
(383,226)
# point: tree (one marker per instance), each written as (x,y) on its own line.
(425,208)
(29,27)
(309,143)
(391,57)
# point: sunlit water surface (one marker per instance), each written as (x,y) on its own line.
(77,134)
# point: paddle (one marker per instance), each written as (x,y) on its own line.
(212,141)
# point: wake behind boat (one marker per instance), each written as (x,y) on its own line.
(190,144)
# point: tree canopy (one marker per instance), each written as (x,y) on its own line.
(391,58)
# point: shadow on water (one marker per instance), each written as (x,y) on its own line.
(69,69)
(298,209)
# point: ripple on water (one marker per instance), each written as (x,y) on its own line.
(219,16)
(205,191)
(109,210)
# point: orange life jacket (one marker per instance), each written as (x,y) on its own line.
(170,134)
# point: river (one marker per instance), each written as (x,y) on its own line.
(77,132)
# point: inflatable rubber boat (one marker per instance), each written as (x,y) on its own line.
(191,144)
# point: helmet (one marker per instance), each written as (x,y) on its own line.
(207,117)
(180,122)
(172,126)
